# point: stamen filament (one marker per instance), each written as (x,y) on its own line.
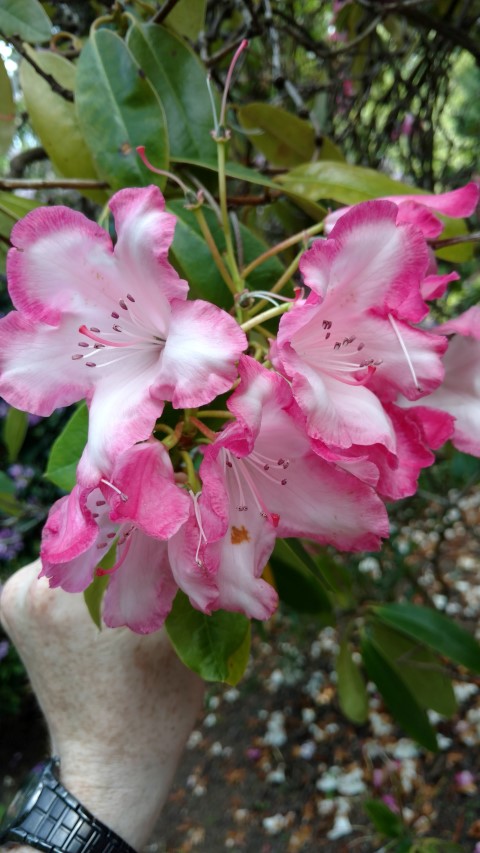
(123,497)
(405,351)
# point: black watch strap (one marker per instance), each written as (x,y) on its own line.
(58,823)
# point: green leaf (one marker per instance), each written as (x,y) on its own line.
(55,120)
(94,593)
(26,19)
(384,820)
(417,666)
(118,111)
(7,486)
(296,579)
(193,256)
(14,206)
(179,79)
(67,450)
(14,432)
(282,137)
(434,630)
(216,647)
(7,110)
(352,691)
(232,170)
(188,17)
(347,184)
(397,696)
(435,845)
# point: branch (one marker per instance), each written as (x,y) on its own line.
(164,11)
(19,163)
(62,183)
(474,237)
(56,87)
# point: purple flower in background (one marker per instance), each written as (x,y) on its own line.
(11,543)
(4,647)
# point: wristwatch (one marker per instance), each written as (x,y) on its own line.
(43,814)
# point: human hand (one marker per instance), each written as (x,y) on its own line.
(119,706)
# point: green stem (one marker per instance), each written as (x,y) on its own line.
(266,315)
(214,413)
(222,192)
(279,285)
(193,480)
(285,244)
(203,224)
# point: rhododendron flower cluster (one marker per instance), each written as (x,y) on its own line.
(338,412)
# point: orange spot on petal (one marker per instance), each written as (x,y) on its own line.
(239,534)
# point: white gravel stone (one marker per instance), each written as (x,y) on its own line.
(341,827)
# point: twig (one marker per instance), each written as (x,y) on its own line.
(474,237)
(61,183)
(164,11)
(56,87)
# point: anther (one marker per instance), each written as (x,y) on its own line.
(327,324)
(123,304)
(265,467)
(337,345)
(83,344)
(360,346)
(286,464)
(76,356)
(284,482)
(90,364)
(327,336)
(102,545)
(115,489)
(115,315)
(229,464)
(94,329)
(116,328)
(111,535)
(281,462)
(100,503)
(130,297)
(98,346)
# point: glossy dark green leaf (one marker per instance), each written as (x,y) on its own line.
(67,450)
(14,431)
(384,820)
(118,111)
(192,255)
(188,17)
(26,19)
(55,119)
(179,79)
(296,579)
(352,691)
(399,699)
(417,666)
(216,647)
(435,630)
(7,110)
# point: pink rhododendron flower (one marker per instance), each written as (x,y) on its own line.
(459,393)
(419,208)
(109,324)
(352,347)
(138,510)
(261,479)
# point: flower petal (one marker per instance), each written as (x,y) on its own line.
(141,590)
(154,502)
(198,361)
